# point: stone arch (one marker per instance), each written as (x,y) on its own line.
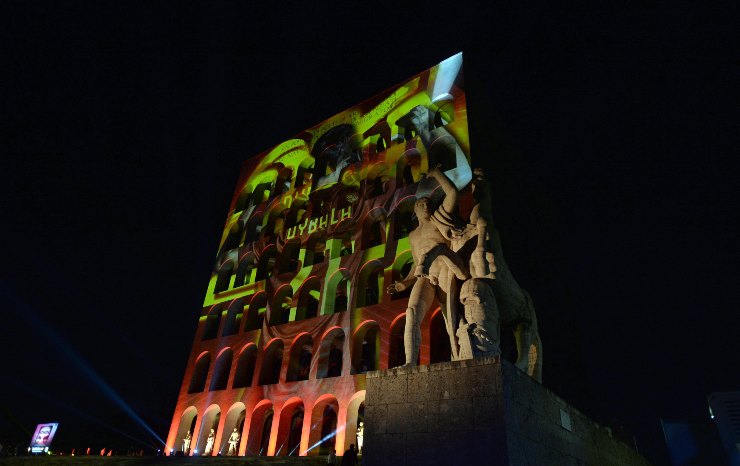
(309,296)
(439,339)
(283,181)
(304,173)
(290,428)
(221,370)
(301,354)
(315,249)
(404,221)
(289,259)
(245,366)
(366,347)
(212,322)
(272,362)
(409,168)
(281,304)
(266,263)
(235,418)
(324,416)
(373,228)
(245,270)
(223,277)
(330,357)
(369,284)
(200,373)
(234,315)
(187,424)
(396,349)
(253,227)
(210,421)
(338,287)
(355,415)
(260,427)
(256,311)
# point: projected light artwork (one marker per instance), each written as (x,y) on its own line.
(298,306)
(42,437)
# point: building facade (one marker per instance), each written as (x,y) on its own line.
(297,309)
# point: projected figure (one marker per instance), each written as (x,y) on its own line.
(42,438)
(209,443)
(186,443)
(233,442)
(337,149)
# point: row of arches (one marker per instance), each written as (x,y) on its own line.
(381,176)
(325,357)
(376,230)
(292,429)
(314,297)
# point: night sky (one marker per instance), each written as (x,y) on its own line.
(608,133)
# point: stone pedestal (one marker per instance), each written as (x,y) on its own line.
(478,412)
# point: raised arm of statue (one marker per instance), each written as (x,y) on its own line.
(451,193)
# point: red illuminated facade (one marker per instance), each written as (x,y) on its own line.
(297,309)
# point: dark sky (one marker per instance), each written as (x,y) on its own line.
(608,132)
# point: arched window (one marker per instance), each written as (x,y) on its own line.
(331,354)
(289,258)
(439,339)
(303,175)
(253,228)
(323,425)
(260,427)
(403,218)
(315,250)
(266,263)
(245,367)
(213,320)
(342,298)
(365,348)
(301,353)
(272,363)
(355,415)
(396,349)
(282,184)
(280,307)
(256,312)
(369,284)
(234,420)
(336,297)
(187,426)
(234,317)
(221,371)
(296,429)
(308,299)
(210,422)
(373,229)
(244,271)
(198,379)
(223,277)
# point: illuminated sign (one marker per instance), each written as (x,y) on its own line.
(42,437)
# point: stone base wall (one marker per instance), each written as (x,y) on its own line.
(479,412)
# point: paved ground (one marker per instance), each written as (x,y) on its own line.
(155,461)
